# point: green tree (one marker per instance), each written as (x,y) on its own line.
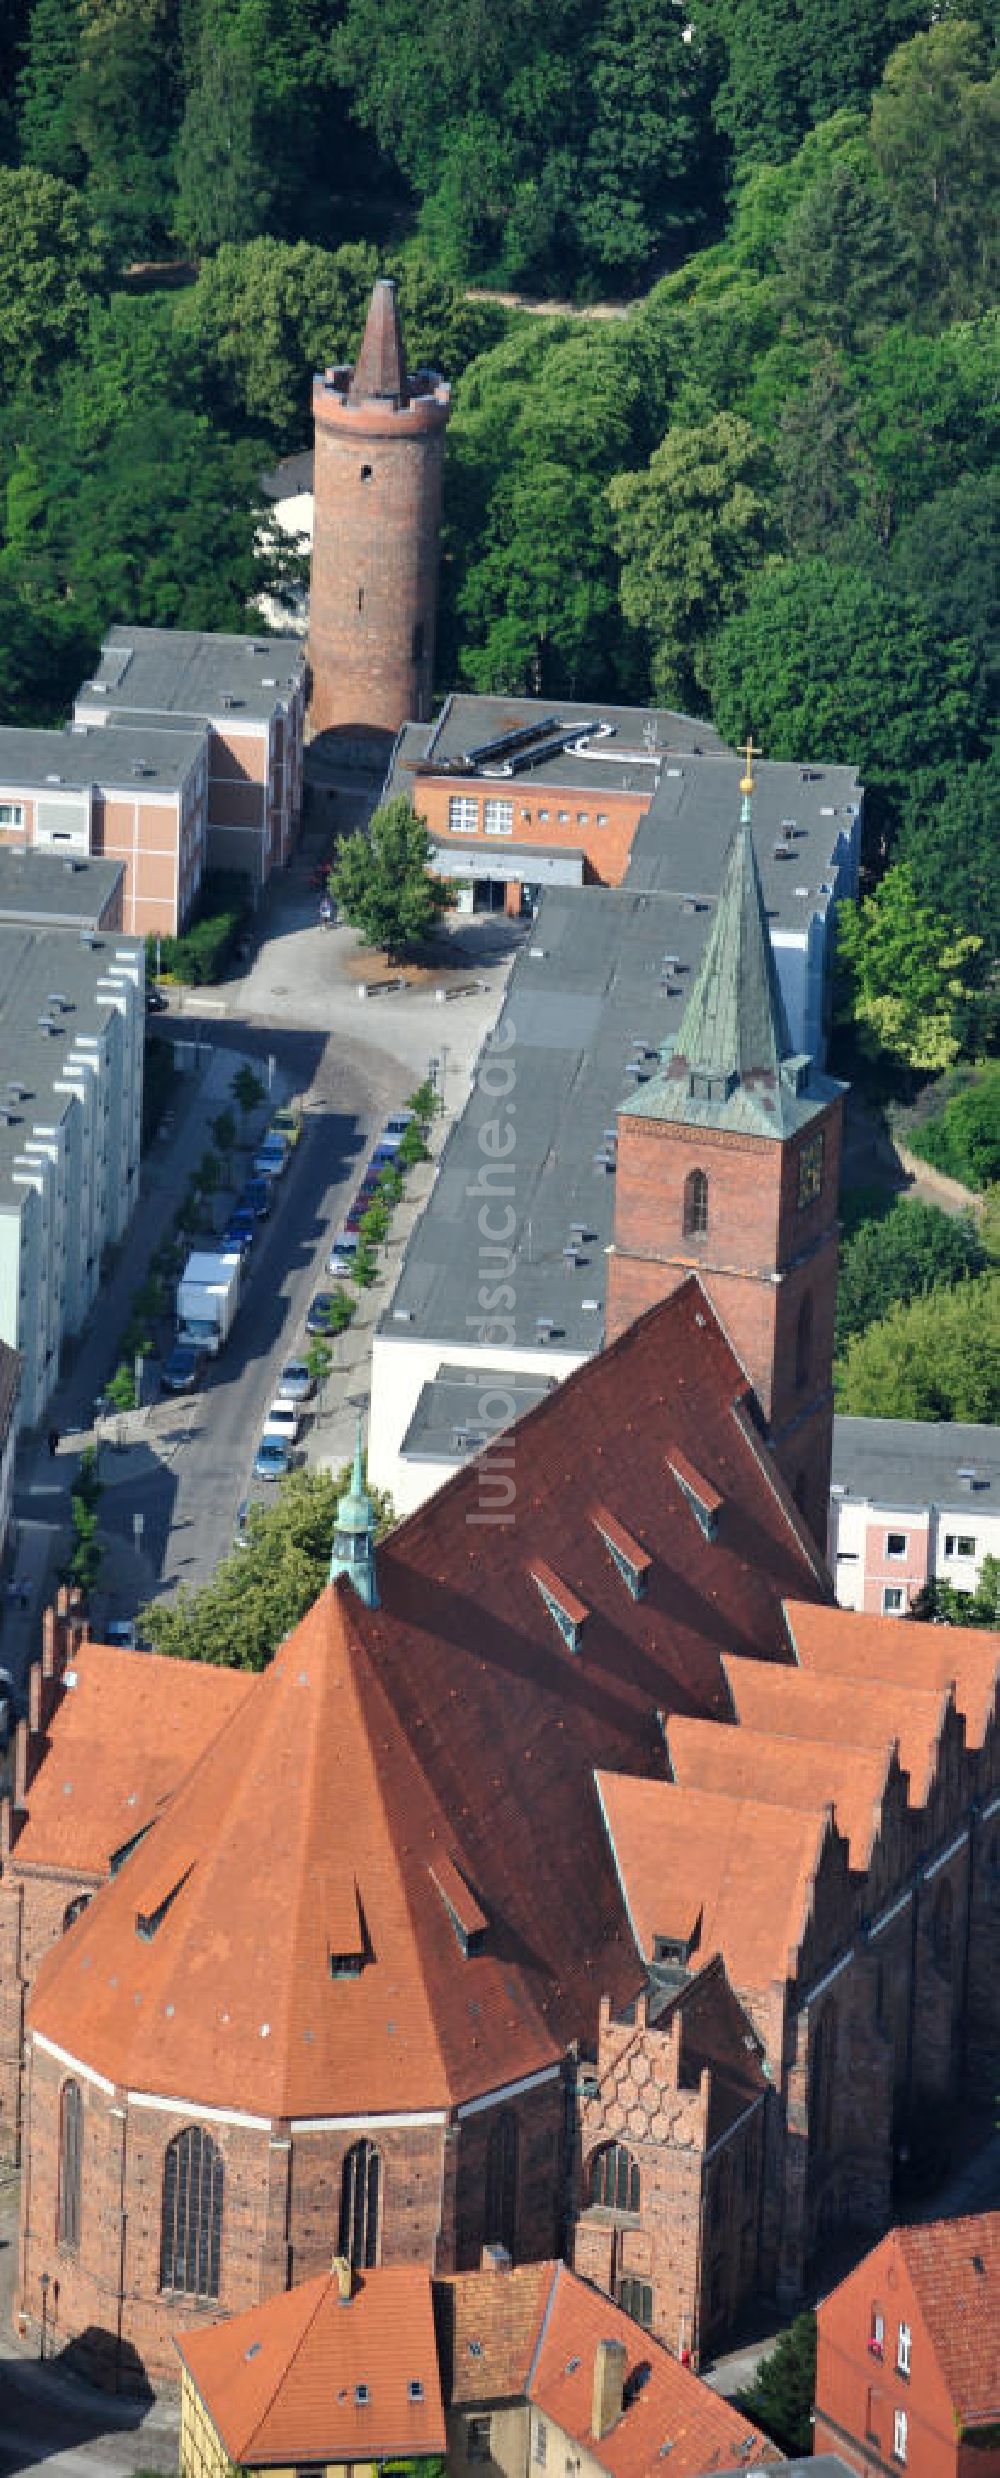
(845,269)
(247,1090)
(225,176)
(48,90)
(978,1608)
(962,1137)
(906,970)
(817,456)
(781,2395)
(52,263)
(383,883)
(936,1358)
(913,1249)
(690,531)
(129,102)
(258,1594)
(946,557)
(87,1553)
(266,315)
(948,841)
(223,1131)
(783,68)
(648,100)
(934,130)
(158,525)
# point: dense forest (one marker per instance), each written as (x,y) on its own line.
(764,488)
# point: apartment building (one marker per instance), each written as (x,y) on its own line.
(135,794)
(72,1019)
(10,1375)
(912,1502)
(245,698)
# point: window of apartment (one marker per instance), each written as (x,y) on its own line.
(70,2154)
(635,2297)
(583,817)
(895,1544)
(543,816)
(526,817)
(498,817)
(892,1601)
(903,2350)
(960,1544)
(602,817)
(876,2333)
(478,2438)
(541,2442)
(899,2426)
(463,815)
(563,816)
(11,813)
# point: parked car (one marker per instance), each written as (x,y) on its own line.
(120,1631)
(237,1237)
(257,1198)
(317,1318)
(399,1122)
(181,1371)
(241,1527)
(287,1124)
(273,1458)
(270,1159)
(342,1254)
(157,1002)
(386,1154)
(295,1383)
(282,1420)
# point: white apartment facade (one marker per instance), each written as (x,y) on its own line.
(912,1502)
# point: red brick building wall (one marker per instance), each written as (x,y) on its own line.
(597,822)
(865,2381)
(375,557)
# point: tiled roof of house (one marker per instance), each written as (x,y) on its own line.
(807,1773)
(440,1725)
(955,2269)
(848,1712)
(731,1876)
(904,1656)
(310,2376)
(128,1728)
(488,2324)
(670,2420)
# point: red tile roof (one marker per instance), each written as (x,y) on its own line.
(441,1725)
(120,1740)
(280,2383)
(805,1773)
(904,1655)
(846,1711)
(670,2419)
(746,1871)
(955,2269)
(488,2324)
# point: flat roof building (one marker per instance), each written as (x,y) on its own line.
(912,1502)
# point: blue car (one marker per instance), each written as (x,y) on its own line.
(256,1199)
(272,1459)
(237,1237)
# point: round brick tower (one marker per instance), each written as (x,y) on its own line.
(379,454)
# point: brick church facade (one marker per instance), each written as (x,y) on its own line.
(588,1885)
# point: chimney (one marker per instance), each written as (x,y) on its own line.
(341,2271)
(495,2258)
(609,2387)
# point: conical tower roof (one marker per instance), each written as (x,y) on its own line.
(380,369)
(731,1064)
(296,1934)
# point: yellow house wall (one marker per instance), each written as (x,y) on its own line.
(508,2451)
(203,2454)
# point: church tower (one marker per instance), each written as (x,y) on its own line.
(729,1167)
(353,1551)
(377,518)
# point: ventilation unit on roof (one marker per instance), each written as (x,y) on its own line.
(140,766)
(604,1161)
(8,1117)
(571,1255)
(53,778)
(268,682)
(229,700)
(57,999)
(784,851)
(545,1327)
(538,952)
(17,1092)
(89,937)
(968,1476)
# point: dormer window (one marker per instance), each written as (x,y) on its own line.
(468,1920)
(632,1561)
(147,1921)
(703,1499)
(570,1614)
(347,1944)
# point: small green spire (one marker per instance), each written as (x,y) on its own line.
(353,1551)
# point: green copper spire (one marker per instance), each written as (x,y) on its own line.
(353,1551)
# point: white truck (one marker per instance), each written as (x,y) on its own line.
(208,1295)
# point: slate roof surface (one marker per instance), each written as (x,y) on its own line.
(955,2269)
(915,1463)
(782,1772)
(734,1875)
(124,1735)
(280,2383)
(848,1712)
(928,1657)
(445,1722)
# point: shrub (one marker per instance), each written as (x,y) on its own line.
(963,1137)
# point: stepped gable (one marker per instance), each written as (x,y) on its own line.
(848,1713)
(954,2266)
(803,1773)
(126,1729)
(708,1874)
(380,369)
(196,1970)
(669,2419)
(714,2040)
(904,1656)
(280,2383)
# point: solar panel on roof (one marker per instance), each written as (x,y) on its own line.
(507,741)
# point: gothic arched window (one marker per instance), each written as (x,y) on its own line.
(361,2206)
(191,2223)
(695,1202)
(614,2178)
(803,1342)
(501,2182)
(70,2164)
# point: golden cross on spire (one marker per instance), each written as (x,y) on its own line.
(750,752)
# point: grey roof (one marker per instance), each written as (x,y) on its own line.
(914,1463)
(193,672)
(291,478)
(80,758)
(462,1407)
(35,966)
(731,1064)
(591,985)
(49,892)
(627,744)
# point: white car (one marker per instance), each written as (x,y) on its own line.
(282,1421)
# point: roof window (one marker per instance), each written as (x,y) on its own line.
(361,2394)
(703,1499)
(415,2389)
(347,1944)
(632,1561)
(570,1614)
(147,1921)
(467,1919)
